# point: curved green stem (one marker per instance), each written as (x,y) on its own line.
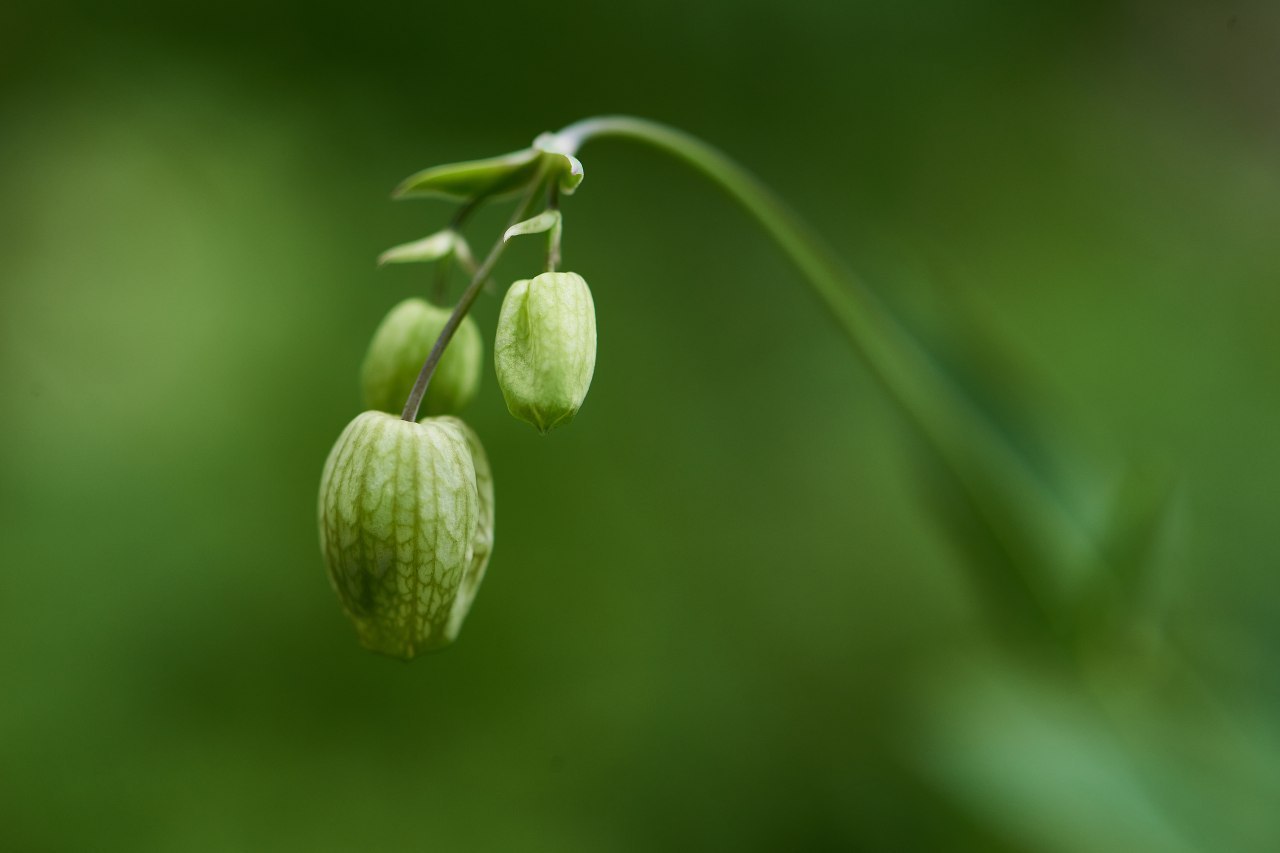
(467,299)
(1032,526)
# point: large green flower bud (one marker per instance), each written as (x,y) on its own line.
(545,351)
(401,345)
(400,512)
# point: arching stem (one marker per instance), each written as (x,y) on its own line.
(1026,518)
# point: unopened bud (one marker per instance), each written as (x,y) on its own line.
(401,345)
(545,350)
(399,514)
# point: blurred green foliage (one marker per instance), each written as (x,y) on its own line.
(722,612)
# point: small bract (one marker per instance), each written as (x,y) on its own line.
(401,345)
(545,349)
(404,529)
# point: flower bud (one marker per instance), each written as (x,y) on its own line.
(401,345)
(399,510)
(545,350)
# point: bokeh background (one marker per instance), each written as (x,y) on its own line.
(722,613)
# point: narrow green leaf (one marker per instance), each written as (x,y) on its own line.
(547,220)
(439,245)
(491,177)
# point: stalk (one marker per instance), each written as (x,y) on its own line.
(1028,520)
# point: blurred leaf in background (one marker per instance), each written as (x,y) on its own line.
(722,613)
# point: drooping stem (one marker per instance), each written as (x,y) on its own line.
(1025,517)
(465,302)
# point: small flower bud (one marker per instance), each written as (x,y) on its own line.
(401,345)
(545,351)
(399,510)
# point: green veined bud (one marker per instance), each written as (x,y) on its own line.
(545,351)
(401,345)
(399,509)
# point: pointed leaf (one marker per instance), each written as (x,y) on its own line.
(494,176)
(547,220)
(439,245)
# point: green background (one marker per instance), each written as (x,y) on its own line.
(721,613)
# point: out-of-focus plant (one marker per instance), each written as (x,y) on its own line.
(1054,720)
